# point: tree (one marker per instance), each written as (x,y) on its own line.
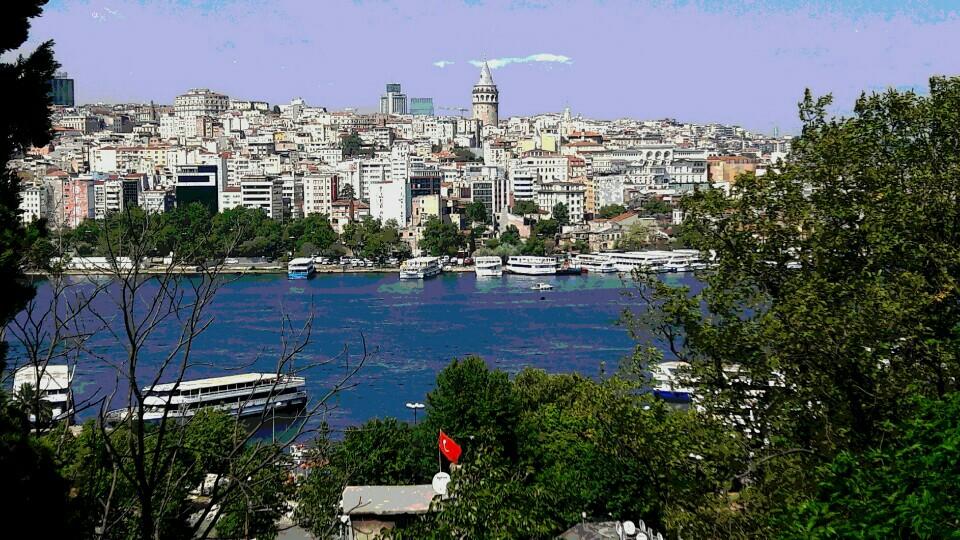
(510,235)
(486,419)
(346,192)
(636,237)
(909,487)
(352,144)
(463,155)
(534,246)
(546,228)
(833,292)
(611,210)
(524,207)
(477,212)
(561,214)
(655,206)
(441,238)
(34,492)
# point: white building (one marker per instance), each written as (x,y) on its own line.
(390,200)
(33,203)
(320,189)
(197,103)
(571,194)
(264,192)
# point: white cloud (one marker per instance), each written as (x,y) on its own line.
(496,63)
(443,63)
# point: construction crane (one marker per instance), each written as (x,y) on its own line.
(460,110)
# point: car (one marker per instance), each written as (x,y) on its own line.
(231,261)
(393,261)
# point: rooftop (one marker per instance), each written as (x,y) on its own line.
(387,500)
(241,378)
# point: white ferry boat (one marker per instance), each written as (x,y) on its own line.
(667,382)
(645,261)
(531,266)
(420,268)
(491,266)
(53,384)
(301,268)
(596,263)
(247,394)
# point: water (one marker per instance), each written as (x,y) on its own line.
(412,329)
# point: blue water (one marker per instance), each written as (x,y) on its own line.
(412,329)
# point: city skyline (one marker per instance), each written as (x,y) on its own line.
(750,70)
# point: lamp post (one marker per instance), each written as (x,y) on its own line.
(415,407)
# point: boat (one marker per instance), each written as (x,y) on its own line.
(542,287)
(247,394)
(53,386)
(595,263)
(644,261)
(667,382)
(420,268)
(488,266)
(532,266)
(301,268)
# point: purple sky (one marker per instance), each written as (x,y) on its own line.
(745,62)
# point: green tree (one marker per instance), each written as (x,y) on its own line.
(352,144)
(561,214)
(486,418)
(611,210)
(534,246)
(547,228)
(346,192)
(463,155)
(908,487)
(524,207)
(511,235)
(834,292)
(654,207)
(636,237)
(33,491)
(441,238)
(477,212)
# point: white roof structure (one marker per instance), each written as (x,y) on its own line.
(387,500)
(51,378)
(241,378)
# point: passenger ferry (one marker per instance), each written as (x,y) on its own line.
(53,386)
(531,266)
(246,394)
(301,268)
(668,384)
(644,261)
(420,268)
(491,266)
(596,263)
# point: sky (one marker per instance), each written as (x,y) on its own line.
(744,62)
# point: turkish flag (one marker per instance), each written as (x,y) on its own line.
(449,448)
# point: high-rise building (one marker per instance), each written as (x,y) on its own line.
(421,106)
(393,101)
(486,99)
(61,90)
(200,184)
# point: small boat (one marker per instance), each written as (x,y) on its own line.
(542,287)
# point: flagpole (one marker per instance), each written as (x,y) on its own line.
(439,459)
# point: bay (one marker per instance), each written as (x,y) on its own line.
(411,329)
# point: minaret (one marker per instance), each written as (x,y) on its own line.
(486,99)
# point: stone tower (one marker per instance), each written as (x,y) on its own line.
(486,99)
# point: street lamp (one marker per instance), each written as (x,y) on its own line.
(415,407)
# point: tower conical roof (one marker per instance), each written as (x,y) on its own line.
(486,79)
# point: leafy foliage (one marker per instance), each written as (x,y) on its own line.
(561,214)
(611,210)
(525,207)
(441,238)
(477,212)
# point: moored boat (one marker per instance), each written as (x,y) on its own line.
(420,268)
(531,266)
(52,382)
(246,394)
(488,266)
(301,268)
(596,263)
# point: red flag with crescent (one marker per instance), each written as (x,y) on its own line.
(449,448)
